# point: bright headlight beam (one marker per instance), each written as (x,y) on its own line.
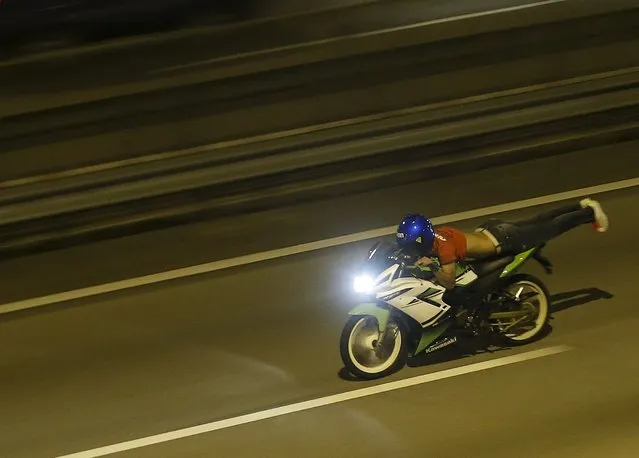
(363,283)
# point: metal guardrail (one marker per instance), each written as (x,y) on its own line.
(507,126)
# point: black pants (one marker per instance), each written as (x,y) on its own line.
(516,236)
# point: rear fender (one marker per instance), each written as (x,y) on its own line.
(379,311)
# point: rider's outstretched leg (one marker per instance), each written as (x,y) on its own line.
(536,233)
(515,237)
(549,215)
(570,216)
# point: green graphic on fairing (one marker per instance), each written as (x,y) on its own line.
(518,262)
(429,335)
(429,292)
(373,309)
(461,269)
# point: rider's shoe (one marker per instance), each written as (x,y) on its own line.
(601,219)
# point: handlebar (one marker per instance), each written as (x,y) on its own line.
(404,258)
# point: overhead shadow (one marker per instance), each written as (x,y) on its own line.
(563,301)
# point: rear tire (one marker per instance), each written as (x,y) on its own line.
(536,300)
(357,347)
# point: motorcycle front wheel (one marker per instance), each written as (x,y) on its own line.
(364,355)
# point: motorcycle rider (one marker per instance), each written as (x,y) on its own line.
(494,237)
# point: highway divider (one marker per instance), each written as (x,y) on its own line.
(383,150)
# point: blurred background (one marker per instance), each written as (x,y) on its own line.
(187,188)
(30,25)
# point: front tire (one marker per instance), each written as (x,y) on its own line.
(535,300)
(362,357)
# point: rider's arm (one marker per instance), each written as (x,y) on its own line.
(445,275)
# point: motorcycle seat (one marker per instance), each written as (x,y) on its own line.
(488,266)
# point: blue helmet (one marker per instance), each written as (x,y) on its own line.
(415,231)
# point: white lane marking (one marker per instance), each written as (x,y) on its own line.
(302,248)
(308,44)
(315,403)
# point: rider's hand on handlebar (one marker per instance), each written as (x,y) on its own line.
(424,261)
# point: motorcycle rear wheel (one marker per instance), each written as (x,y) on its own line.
(534,301)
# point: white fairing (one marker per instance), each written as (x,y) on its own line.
(402,293)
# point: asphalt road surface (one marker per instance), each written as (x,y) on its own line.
(143,361)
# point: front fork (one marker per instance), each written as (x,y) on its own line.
(384,334)
(380,313)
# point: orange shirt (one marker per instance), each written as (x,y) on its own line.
(449,245)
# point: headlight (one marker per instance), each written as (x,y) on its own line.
(363,283)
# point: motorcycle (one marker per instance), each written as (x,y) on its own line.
(404,314)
